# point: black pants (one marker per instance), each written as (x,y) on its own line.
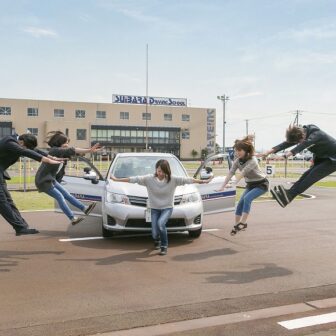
(8,209)
(318,171)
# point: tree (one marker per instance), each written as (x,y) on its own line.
(204,153)
(194,153)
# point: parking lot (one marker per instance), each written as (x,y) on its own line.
(69,281)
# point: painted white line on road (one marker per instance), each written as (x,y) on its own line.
(213,321)
(308,321)
(79,239)
(65,240)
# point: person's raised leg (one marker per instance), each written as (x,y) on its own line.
(311,176)
(58,196)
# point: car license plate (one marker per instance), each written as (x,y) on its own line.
(148,215)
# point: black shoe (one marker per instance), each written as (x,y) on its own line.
(238,227)
(157,244)
(285,194)
(163,251)
(26,231)
(90,208)
(76,220)
(278,197)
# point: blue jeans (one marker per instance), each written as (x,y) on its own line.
(160,218)
(60,195)
(244,204)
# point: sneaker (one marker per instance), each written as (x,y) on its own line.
(76,220)
(284,193)
(90,208)
(163,251)
(278,197)
(157,244)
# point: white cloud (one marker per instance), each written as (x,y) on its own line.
(40,32)
(327,31)
(287,61)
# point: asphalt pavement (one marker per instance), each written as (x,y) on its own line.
(51,285)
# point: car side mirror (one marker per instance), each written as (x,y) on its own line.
(91,176)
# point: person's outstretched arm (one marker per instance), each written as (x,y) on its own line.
(123,179)
(95,148)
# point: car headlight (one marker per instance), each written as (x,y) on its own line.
(116,198)
(190,198)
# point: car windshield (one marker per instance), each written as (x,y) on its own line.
(143,165)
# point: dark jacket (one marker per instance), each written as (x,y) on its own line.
(322,145)
(46,174)
(10,152)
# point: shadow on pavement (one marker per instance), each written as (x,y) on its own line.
(12,258)
(267,271)
(205,255)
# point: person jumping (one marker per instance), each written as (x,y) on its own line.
(256,182)
(323,147)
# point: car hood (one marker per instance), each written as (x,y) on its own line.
(134,189)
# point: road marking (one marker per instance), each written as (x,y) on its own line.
(308,321)
(64,240)
(206,322)
(79,239)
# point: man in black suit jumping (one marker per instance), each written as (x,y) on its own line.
(11,148)
(321,144)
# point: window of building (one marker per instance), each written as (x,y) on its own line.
(58,113)
(81,134)
(168,117)
(185,117)
(146,116)
(124,115)
(186,134)
(80,114)
(5,110)
(101,114)
(32,111)
(33,130)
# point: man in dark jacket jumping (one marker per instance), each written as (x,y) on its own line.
(11,149)
(322,145)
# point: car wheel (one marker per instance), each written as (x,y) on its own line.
(195,234)
(107,233)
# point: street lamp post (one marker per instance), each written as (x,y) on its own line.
(224,99)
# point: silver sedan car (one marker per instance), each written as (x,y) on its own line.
(121,206)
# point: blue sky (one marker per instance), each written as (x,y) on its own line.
(270,57)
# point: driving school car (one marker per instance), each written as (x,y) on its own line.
(121,206)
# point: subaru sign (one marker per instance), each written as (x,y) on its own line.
(142,100)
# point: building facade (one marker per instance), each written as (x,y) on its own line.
(126,125)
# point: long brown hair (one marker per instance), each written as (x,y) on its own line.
(165,167)
(245,144)
(56,139)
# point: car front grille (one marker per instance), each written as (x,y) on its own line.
(141,223)
(142,201)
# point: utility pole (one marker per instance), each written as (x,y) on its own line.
(296,120)
(247,127)
(146,97)
(224,99)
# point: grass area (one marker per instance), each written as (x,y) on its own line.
(32,200)
(328,184)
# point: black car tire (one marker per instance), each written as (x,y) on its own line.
(107,233)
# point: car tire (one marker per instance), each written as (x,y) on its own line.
(107,233)
(195,234)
